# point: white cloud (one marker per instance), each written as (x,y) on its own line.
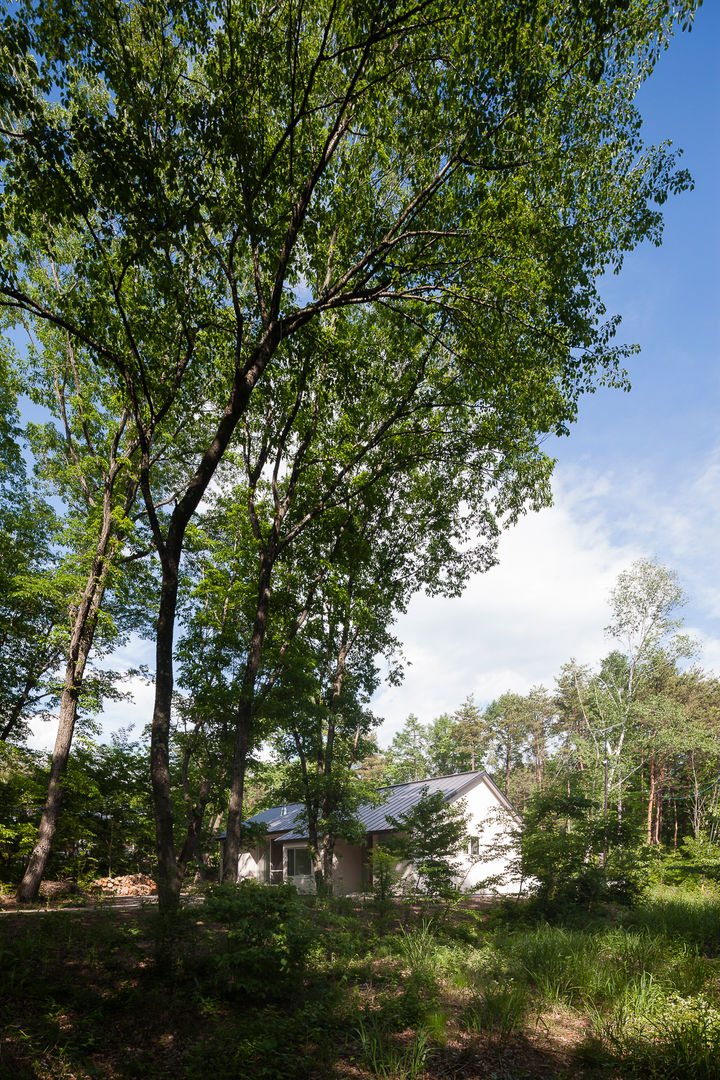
(546,601)
(517,624)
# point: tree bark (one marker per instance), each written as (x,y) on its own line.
(244,721)
(170,550)
(167,874)
(195,820)
(651,801)
(84,625)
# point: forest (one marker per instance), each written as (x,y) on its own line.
(292,296)
(617,763)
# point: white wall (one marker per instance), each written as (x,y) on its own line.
(487,820)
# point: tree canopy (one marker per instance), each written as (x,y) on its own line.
(187,189)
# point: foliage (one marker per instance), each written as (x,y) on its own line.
(429,838)
(22,783)
(565,852)
(267,939)
(107,825)
(700,859)
(386,874)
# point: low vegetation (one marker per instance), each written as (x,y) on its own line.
(255,983)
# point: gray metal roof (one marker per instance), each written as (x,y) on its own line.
(400,798)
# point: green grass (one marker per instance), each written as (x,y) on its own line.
(632,994)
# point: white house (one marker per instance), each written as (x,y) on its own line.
(284,855)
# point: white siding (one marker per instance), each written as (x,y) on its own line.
(489,822)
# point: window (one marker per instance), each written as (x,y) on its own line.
(298,862)
(474,846)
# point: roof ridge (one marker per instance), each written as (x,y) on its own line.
(427,779)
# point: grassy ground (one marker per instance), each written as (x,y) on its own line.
(252,988)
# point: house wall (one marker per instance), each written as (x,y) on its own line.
(490,823)
(486,820)
(347,870)
(253,864)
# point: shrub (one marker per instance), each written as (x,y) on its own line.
(683,1042)
(576,856)
(267,941)
(429,839)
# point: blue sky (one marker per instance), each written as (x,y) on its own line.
(638,476)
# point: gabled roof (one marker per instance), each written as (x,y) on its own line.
(399,799)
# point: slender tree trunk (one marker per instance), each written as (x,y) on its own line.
(328,855)
(167,875)
(231,851)
(195,820)
(16,714)
(651,801)
(316,851)
(85,619)
(244,722)
(170,550)
(658,810)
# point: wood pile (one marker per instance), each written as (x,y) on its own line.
(126,885)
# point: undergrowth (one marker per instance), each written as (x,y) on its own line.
(258,983)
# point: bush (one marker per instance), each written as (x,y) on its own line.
(576,856)
(267,942)
(683,1042)
(429,839)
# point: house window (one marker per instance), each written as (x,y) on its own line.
(474,846)
(298,862)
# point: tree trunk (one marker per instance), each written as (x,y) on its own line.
(195,820)
(651,801)
(167,875)
(231,851)
(170,550)
(15,715)
(244,721)
(328,854)
(658,809)
(316,851)
(84,625)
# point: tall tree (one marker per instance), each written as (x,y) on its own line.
(407,756)
(471,732)
(87,457)
(507,722)
(280,164)
(31,605)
